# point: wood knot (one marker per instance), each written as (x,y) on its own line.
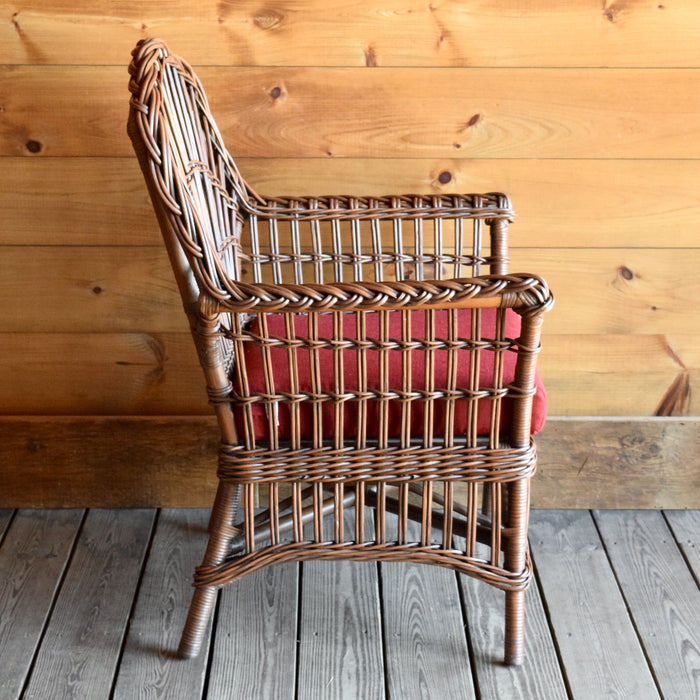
(444,177)
(612,12)
(33,146)
(268,19)
(34,446)
(370,57)
(626,273)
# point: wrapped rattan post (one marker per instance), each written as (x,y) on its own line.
(352,361)
(499,246)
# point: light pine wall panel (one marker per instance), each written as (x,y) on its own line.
(635,203)
(157,374)
(360,32)
(383,113)
(584,112)
(101,289)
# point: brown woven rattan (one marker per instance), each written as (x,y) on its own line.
(304,311)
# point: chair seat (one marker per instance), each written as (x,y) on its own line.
(350,388)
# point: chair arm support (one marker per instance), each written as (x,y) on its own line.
(524,292)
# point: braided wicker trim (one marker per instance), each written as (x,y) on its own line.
(238,567)
(390,465)
(496,290)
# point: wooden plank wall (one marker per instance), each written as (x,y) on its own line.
(585,112)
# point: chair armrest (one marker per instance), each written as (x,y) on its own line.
(475,206)
(525,292)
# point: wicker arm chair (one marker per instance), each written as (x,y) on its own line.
(360,353)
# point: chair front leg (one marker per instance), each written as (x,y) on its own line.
(515,561)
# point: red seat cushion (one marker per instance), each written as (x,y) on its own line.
(279,361)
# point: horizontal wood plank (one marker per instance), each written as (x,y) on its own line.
(618,463)
(158,374)
(122,289)
(617,291)
(392,112)
(171,461)
(80,289)
(366,33)
(621,375)
(76,201)
(101,373)
(560,203)
(112,462)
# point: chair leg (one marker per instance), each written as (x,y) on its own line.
(221,534)
(517,505)
(515,636)
(197,620)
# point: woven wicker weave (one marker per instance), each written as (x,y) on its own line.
(379,292)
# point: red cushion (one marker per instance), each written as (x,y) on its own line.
(279,362)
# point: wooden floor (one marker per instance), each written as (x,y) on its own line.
(92,603)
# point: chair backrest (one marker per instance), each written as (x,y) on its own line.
(219,232)
(193,181)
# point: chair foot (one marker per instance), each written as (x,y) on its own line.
(515,632)
(197,621)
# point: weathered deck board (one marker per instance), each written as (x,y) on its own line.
(596,638)
(32,561)
(83,639)
(149,665)
(256,635)
(686,528)
(540,677)
(662,596)
(583,640)
(426,647)
(340,636)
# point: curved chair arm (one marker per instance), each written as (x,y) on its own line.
(523,292)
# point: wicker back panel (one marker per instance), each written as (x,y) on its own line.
(193,180)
